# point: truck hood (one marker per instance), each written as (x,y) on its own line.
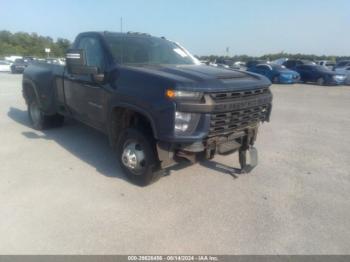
(206,78)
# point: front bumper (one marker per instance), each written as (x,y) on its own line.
(170,153)
(334,82)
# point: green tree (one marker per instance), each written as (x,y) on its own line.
(25,44)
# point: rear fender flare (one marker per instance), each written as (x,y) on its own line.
(28,82)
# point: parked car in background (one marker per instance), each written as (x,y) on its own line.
(327,64)
(320,75)
(223,65)
(253,63)
(214,64)
(12,58)
(5,66)
(292,64)
(29,58)
(18,66)
(279,61)
(56,61)
(342,64)
(276,73)
(239,65)
(344,71)
(235,67)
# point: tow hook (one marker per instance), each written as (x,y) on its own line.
(248,165)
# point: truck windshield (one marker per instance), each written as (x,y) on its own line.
(141,50)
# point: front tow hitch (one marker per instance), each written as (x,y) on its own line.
(248,159)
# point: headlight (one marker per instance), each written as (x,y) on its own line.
(183,95)
(182,121)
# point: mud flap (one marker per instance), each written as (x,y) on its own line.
(248,161)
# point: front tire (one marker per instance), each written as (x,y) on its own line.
(321,81)
(137,157)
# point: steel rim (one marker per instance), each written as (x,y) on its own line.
(134,157)
(34,113)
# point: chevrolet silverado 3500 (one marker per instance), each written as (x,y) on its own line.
(156,103)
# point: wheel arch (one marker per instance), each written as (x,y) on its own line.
(124,115)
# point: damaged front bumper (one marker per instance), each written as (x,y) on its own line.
(241,141)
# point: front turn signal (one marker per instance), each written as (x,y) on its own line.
(170,93)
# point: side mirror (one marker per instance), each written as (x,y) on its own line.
(76,63)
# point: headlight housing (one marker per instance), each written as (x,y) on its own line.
(185,123)
(182,121)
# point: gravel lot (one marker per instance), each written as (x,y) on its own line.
(62,192)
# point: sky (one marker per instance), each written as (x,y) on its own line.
(252,27)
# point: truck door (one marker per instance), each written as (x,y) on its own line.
(309,73)
(85,97)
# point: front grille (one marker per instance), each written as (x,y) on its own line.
(222,96)
(229,122)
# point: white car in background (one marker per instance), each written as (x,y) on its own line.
(329,64)
(5,66)
(344,71)
(279,61)
(12,58)
(56,61)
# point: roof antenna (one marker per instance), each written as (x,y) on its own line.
(121,31)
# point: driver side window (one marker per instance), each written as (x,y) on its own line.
(93,52)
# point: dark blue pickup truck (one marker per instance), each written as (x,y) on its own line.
(155,101)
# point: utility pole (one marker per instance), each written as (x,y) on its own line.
(121,24)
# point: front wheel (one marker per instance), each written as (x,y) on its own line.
(137,157)
(320,81)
